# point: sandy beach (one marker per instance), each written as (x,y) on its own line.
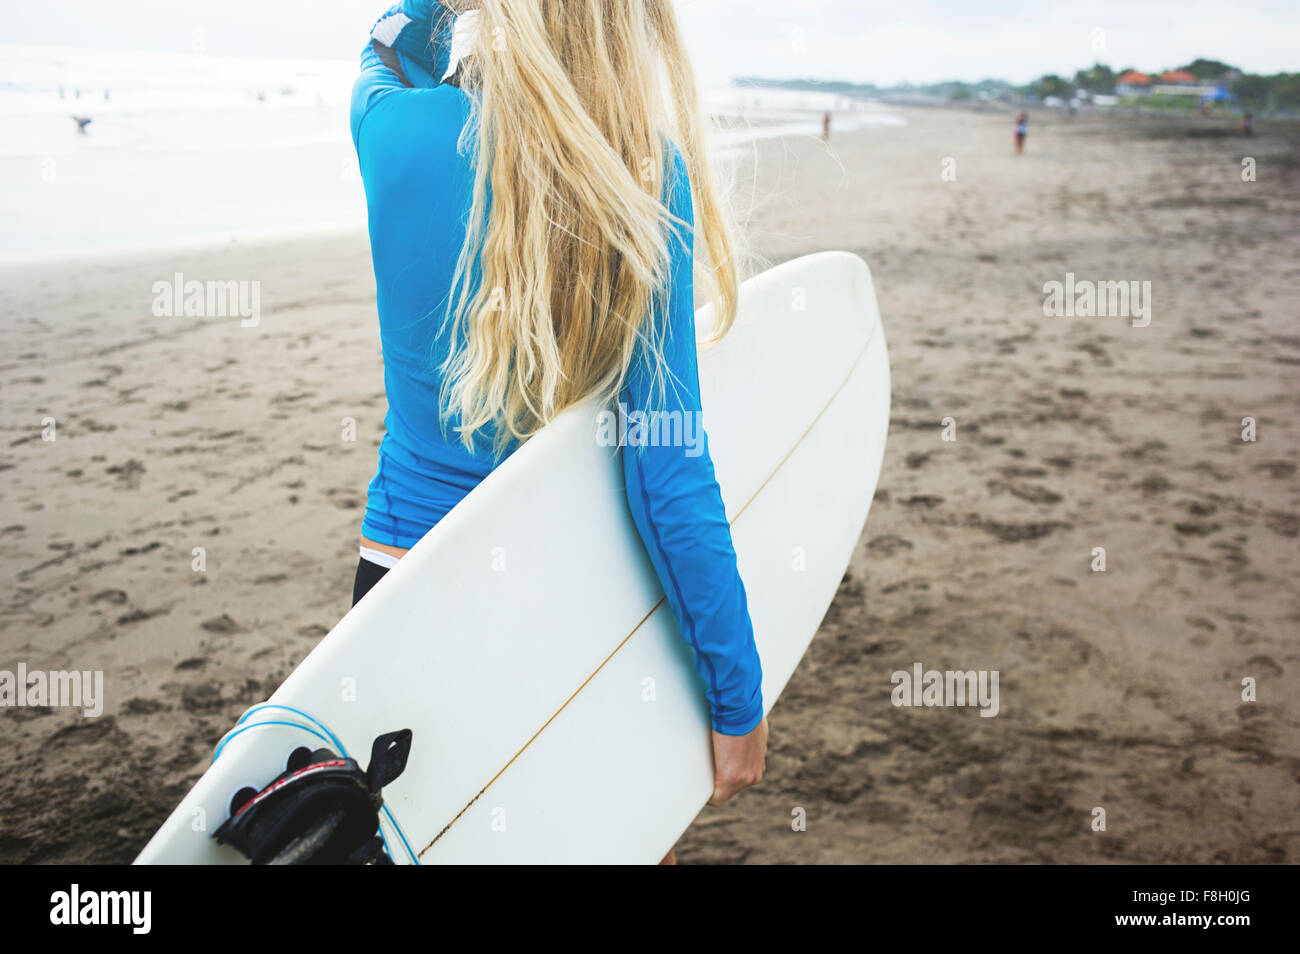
(1120,689)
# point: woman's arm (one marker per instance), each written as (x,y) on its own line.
(409,48)
(677,505)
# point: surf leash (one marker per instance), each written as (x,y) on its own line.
(322,809)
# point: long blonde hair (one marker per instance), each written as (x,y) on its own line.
(568,230)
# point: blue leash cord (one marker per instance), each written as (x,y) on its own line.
(327,736)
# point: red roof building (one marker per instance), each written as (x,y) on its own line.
(1133,78)
(1180,77)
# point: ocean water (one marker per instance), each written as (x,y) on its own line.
(200,150)
(179,150)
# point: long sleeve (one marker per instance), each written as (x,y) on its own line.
(409,48)
(676,503)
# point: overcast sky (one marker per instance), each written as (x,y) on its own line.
(918,41)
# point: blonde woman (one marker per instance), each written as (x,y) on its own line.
(533,221)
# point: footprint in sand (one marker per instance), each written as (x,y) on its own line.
(1016,532)
(887,546)
(1264,664)
(139,616)
(1197,529)
(924,501)
(1030,493)
(1277,469)
(222,624)
(128,474)
(1283,524)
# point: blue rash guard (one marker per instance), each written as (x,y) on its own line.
(406,125)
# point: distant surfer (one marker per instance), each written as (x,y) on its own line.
(1022,130)
(575,280)
(82,122)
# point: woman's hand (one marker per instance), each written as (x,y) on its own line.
(738,762)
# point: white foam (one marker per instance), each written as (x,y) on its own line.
(190,149)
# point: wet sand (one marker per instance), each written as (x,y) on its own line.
(1119,690)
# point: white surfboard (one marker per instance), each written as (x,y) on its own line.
(526,640)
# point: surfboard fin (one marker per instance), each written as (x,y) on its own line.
(322,809)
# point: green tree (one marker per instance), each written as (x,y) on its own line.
(1204,69)
(1052,85)
(1251,90)
(1099,79)
(1286,88)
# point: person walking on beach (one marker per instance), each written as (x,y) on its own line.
(533,219)
(1022,129)
(826,127)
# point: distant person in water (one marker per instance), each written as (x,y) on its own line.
(82,122)
(1022,129)
(1248,123)
(826,127)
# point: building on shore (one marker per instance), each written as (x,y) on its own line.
(1132,83)
(1169,83)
